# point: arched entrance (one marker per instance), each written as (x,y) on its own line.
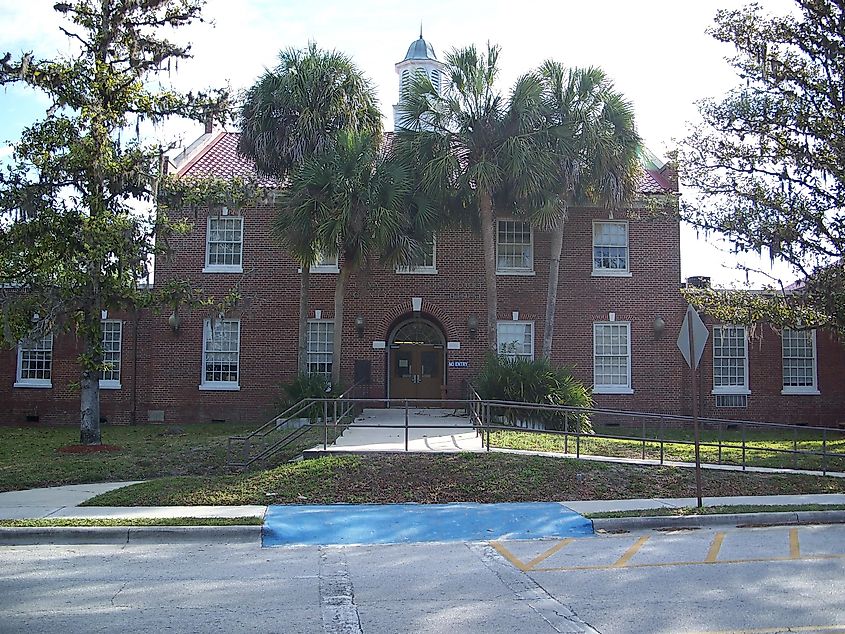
(416,360)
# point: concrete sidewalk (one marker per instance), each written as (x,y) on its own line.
(62,502)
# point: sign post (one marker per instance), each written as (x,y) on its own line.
(691,342)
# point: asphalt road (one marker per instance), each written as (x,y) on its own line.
(760,580)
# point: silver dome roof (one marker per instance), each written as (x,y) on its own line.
(420,49)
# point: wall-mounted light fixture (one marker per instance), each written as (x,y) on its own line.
(659,327)
(472,326)
(174,321)
(359,325)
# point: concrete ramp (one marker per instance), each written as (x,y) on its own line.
(339,524)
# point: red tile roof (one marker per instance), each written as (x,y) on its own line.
(220,158)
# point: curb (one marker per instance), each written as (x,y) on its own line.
(727,519)
(32,536)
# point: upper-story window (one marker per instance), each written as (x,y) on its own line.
(224,245)
(35,362)
(610,248)
(730,360)
(325,263)
(515,339)
(110,375)
(612,357)
(514,247)
(221,354)
(425,261)
(799,362)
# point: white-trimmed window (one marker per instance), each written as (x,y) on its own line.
(221,354)
(112,335)
(224,245)
(320,346)
(610,248)
(425,262)
(612,357)
(325,263)
(730,360)
(514,248)
(799,362)
(515,339)
(35,362)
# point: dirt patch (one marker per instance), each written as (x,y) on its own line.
(88,448)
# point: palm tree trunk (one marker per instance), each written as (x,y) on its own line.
(89,389)
(302,349)
(551,293)
(339,292)
(488,242)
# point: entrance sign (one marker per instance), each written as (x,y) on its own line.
(699,337)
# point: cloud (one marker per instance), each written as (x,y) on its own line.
(5,150)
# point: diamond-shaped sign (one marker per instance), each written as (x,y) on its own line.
(699,336)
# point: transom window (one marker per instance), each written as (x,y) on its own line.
(799,361)
(612,358)
(325,263)
(610,247)
(514,248)
(320,346)
(425,261)
(730,360)
(110,375)
(224,246)
(221,354)
(515,339)
(35,362)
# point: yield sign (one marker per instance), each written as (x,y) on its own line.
(699,336)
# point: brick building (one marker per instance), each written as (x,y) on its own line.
(419,332)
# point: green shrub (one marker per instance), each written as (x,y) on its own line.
(537,381)
(306,386)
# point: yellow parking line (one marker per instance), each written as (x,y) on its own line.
(504,552)
(794,544)
(551,551)
(715,546)
(624,559)
(783,628)
(691,563)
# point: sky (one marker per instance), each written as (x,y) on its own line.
(656,51)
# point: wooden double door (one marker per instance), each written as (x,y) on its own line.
(416,371)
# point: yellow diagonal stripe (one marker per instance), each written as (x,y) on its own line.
(713,553)
(624,559)
(551,551)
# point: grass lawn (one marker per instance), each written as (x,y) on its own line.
(718,510)
(135,521)
(454,478)
(29,456)
(805,439)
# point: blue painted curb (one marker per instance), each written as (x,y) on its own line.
(338,524)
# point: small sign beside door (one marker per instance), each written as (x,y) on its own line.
(458,364)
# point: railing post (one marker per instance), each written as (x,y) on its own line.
(795,447)
(743,446)
(720,442)
(643,438)
(566,435)
(406,424)
(334,406)
(325,425)
(660,431)
(824,450)
(577,437)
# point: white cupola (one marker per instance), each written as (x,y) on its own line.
(420,58)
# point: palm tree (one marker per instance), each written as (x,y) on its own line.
(476,149)
(291,114)
(596,146)
(358,195)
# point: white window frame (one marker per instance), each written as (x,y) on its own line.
(731,389)
(223,268)
(802,389)
(603,272)
(529,270)
(422,270)
(613,388)
(325,265)
(515,355)
(309,352)
(205,385)
(28,382)
(113,384)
